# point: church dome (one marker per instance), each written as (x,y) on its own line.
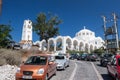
(85,34)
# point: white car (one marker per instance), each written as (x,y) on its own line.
(62,62)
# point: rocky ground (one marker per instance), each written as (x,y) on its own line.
(7,72)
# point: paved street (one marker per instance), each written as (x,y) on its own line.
(64,74)
(102,71)
(84,70)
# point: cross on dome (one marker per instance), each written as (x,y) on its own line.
(84,27)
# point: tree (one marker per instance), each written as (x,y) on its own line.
(5,36)
(46,27)
(99,51)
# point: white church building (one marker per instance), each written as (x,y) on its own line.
(84,40)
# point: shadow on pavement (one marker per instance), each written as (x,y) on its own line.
(106,77)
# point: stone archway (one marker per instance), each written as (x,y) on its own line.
(51,45)
(75,45)
(91,48)
(95,48)
(59,44)
(43,45)
(81,46)
(68,44)
(86,48)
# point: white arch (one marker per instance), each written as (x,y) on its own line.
(87,47)
(68,41)
(75,44)
(51,44)
(91,47)
(59,43)
(58,38)
(43,45)
(81,45)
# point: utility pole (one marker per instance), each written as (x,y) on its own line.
(104,21)
(111,34)
(116,30)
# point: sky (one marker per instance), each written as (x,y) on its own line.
(75,14)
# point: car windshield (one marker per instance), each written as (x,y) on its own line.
(16,45)
(83,55)
(36,60)
(107,55)
(59,57)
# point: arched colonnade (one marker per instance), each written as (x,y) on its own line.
(64,43)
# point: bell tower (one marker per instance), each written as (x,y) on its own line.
(27,32)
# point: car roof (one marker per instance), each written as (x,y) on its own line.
(43,54)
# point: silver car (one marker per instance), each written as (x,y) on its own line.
(62,62)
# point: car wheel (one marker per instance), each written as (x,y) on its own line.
(68,65)
(116,78)
(105,64)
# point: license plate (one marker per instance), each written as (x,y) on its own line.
(27,77)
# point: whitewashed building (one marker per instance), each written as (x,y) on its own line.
(84,40)
(26,40)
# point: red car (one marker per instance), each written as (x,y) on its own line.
(113,67)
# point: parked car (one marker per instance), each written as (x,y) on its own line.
(84,56)
(79,57)
(37,67)
(73,56)
(16,47)
(113,67)
(92,57)
(105,58)
(13,45)
(62,62)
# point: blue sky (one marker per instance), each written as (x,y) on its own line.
(75,14)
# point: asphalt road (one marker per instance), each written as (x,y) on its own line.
(82,70)
(103,71)
(64,74)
